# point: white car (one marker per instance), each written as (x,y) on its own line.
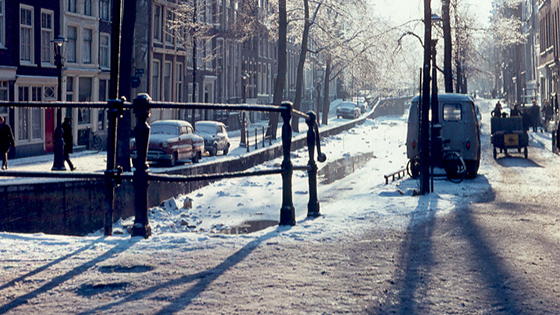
(215,136)
(348,110)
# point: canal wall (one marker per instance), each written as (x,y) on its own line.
(77,207)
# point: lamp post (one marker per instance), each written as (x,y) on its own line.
(244,78)
(58,163)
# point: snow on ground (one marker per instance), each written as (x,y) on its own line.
(358,201)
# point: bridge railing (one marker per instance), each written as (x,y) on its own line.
(141,176)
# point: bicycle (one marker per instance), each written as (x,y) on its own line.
(95,142)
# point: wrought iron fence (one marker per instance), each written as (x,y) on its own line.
(141,176)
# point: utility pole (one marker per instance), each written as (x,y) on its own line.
(448,47)
(425,103)
(194,61)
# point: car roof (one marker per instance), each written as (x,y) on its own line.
(348,102)
(448,97)
(209,122)
(171,122)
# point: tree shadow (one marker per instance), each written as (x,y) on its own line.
(121,247)
(416,261)
(205,278)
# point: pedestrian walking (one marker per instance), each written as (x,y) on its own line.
(497,112)
(6,141)
(535,115)
(515,111)
(68,141)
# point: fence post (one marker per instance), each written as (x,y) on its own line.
(115,111)
(288,212)
(270,138)
(141,106)
(313,205)
(256,140)
(263,137)
(247,140)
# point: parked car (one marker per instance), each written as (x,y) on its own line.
(363,106)
(172,141)
(348,110)
(215,136)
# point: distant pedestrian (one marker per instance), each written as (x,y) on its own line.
(515,111)
(497,112)
(6,141)
(534,112)
(68,141)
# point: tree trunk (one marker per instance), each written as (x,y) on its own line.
(282,64)
(301,64)
(326,84)
(125,78)
(448,48)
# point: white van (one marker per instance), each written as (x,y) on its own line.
(460,130)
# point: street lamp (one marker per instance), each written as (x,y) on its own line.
(58,164)
(244,77)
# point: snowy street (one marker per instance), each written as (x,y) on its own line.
(484,246)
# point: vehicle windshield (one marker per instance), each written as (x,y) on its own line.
(164,129)
(347,105)
(206,129)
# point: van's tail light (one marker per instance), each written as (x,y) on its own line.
(414,144)
(468,144)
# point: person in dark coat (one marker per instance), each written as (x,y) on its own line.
(535,112)
(68,141)
(6,141)
(497,112)
(515,111)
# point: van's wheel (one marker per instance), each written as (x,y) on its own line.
(472,168)
(526,152)
(226,149)
(413,168)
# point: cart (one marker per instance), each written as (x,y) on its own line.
(508,133)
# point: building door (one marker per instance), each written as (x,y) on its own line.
(50,121)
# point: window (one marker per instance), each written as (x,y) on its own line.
(208,55)
(452,112)
(103,97)
(179,82)
(87,45)
(104,10)
(72,6)
(4,95)
(169,30)
(155,80)
(49,93)
(30,123)
(157,23)
(2,24)
(167,81)
(26,34)
(84,95)
(46,36)
(71,45)
(104,51)
(69,89)
(87,7)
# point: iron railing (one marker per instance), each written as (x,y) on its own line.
(141,176)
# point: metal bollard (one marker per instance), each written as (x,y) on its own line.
(256,140)
(287,212)
(263,136)
(247,140)
(313,207)
(141,107)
